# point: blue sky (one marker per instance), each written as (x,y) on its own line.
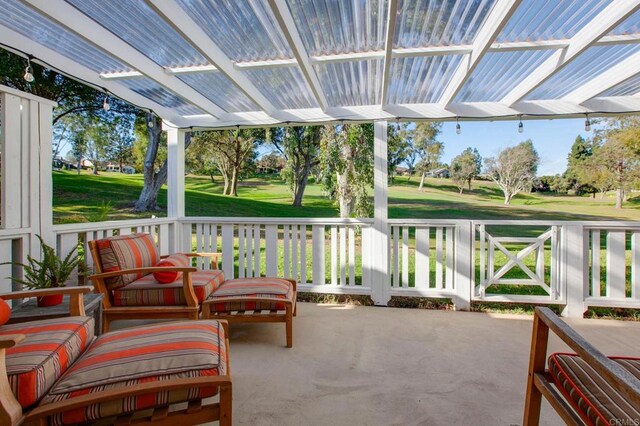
(551,138)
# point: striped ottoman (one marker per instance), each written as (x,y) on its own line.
(254,300)
(591,395)
(139,356)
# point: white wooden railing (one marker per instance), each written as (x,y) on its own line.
(323,255)
(573,264)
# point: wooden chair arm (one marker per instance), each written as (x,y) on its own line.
(23,294)
(46,410)
(150,269)
(197,254)
(623,381)
(76,302)
(10,340)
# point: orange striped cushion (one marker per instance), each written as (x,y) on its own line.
(140,355)
(5,312)
(126,252)
(50,347)
(179,260)
(594,399)
(148,292)
(261,294)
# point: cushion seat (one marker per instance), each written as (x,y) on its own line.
(589,393)
(260,294)
(50,347)
(140,355)
(146,291)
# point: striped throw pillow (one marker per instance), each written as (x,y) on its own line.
(175,260)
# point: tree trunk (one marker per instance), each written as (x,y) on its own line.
(233,189)
(469,182)
(149,195)
(507,198)
(422,181)
(225,191)
(79,166)
(461,189)
(211,176)
(619,198)
(95,168)
(301,180)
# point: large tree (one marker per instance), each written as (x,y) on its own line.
(465,167)
(232,150)
(398,147)
(429,150)
(300,147)
(580,152)
(514,169)
(346,162)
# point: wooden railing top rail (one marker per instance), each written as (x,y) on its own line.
(598,224)
(113,224)
(24,95)
(278,220)
(14,233)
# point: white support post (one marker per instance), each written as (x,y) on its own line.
(11,153)
(45,121)
(573,271)
(175,178)
(380,246)
(464,268)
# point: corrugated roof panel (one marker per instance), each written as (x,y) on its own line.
(422,23)
(498,73)
(137,24)
(536,20)
(421,79)
(591,63)
(631,25)
(329,26)
(352,83)
(217,88)
(42,30)
(151,90)
(285,87)
(245,30)
(629,87)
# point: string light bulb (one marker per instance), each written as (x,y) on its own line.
(458,128)
(520,126)
(151,123)
(28,72)
(105,104)
(587,124)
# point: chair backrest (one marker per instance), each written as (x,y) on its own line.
(124,252)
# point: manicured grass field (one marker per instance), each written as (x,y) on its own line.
(110,196)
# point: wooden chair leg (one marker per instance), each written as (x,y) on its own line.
(105,323)
(537,362)
(226,405)
(289,325)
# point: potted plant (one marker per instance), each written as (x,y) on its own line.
(50,272)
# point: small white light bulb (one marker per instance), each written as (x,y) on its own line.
(520,127)
(28,72)
(587,124)
(105,104)
(458,128)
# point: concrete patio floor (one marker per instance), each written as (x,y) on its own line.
(353,365)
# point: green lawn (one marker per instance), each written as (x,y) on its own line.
(110,196)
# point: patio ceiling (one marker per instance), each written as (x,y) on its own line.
(220,63)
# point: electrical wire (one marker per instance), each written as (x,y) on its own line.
(294,123)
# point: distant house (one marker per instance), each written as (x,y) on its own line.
(128,170)
(110,167)
(402,171)
(441,173)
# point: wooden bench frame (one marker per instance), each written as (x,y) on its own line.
(11,412)
(540,383)
(241,317)
(110,312)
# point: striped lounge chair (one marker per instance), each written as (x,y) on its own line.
(138,284)
(584,387)
(55,372)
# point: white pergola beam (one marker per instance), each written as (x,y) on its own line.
(175,16)
(606,80)
(391,30)
(610,17)
(74,20)
(287,25)
(497,19)
(74,69)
